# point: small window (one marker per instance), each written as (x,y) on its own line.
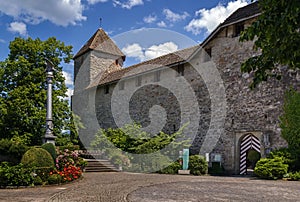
(238,29)
(106,89)
(121,85)
(208,51)
(180,70)
(207,56)
(157,76)
(117,62)
(138,81)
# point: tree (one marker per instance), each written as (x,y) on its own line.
(23,89)
(290,124)
(277,35)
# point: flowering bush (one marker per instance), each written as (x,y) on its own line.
(68,165)
(68,174)
(66,158)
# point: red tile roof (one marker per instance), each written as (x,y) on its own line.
(180,56)
(102,42)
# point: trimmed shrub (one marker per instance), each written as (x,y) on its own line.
(171,169)
(289,157)
(51,149)
(37,157)
(283,153)
(197,165)
(271,168)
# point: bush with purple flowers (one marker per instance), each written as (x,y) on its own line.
(67,158)
(68,165)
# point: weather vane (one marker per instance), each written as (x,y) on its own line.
(100,22)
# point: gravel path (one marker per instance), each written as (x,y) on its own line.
(124,187)
(219,189)
(112,187)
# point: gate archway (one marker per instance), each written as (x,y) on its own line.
(248,142)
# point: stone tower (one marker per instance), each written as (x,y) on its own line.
(95,60)
(98,57)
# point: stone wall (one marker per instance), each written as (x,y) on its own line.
(248,110)
(90,67)
(164,105)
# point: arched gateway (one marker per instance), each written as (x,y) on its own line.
(248,142)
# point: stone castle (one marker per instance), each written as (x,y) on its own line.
(227,118)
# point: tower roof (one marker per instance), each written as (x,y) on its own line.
(102,42)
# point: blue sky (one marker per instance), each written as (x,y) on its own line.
(143,29)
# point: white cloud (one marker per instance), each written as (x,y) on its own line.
(68,77)
(209,19)
(150,19)
(128,4)
(161,24)
(2,41)
(174,17)
(59,12)
(161,49)
(136,51)
(96,1)
(18,27)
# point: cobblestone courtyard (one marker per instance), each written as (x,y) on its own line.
(118,187)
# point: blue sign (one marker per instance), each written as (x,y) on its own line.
(185,158)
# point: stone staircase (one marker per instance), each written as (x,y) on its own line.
(100,165)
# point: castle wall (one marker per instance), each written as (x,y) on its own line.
(248,111)
(167,103)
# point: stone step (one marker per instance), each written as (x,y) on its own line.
(100,165)
(101,170)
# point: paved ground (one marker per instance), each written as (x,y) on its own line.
(121,187)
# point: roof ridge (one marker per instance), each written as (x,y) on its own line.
(94,37)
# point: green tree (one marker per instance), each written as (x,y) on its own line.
(23,89)
(276,35)
(290,124)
